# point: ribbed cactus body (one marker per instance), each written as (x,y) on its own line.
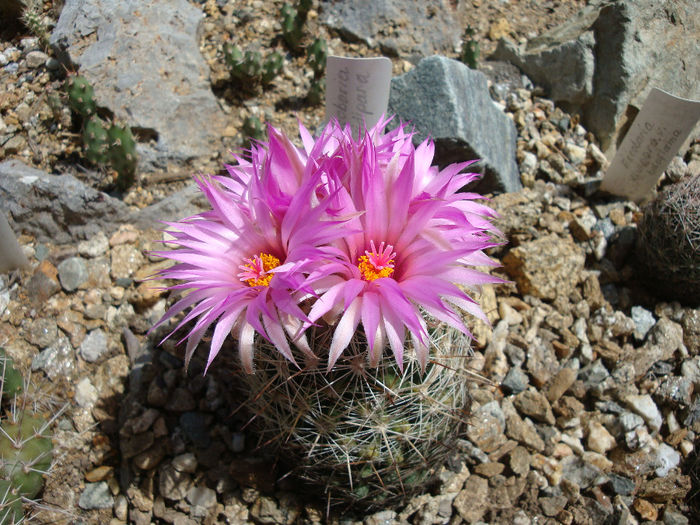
(668,242)
(362,435)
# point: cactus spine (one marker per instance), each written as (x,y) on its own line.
(366,436)
(668,242)
(26,450)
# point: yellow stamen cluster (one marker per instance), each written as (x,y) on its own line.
(268,262)
(370,272)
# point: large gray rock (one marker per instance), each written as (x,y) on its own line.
(143,61)
(449,102)
(604,61)
(410,29)
(56,208)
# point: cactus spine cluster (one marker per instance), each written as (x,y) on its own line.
(366,437)
(668,242)
(105,143)
(26,450)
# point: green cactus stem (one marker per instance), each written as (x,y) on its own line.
(81,96)
(12,382)
(26,452)
(122,154)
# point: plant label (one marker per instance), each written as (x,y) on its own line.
(357,90)
(655,136)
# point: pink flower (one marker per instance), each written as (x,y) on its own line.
(410,243)
(245,264)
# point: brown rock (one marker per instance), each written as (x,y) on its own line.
(546,267)
(490,469)
(472,501)
(535,405)
(646,509)
(561,383)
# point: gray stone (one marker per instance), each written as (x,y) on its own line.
(643,321)
(86,394)
(95,246)
(515,381)
(605,60)
(42,332)
(644,406)
(72,273)
(410,29)
(96,496)
(666,459)
(578,471)
(147,70)
(674,517)
(450,103)
(620,484)
(184,203)
(58,360)
(201,497)
(593,374)
(94,346)
(486,427)
(194,426)
(55,208)
(675,390)
(173,484)
(36,59)
(185,462)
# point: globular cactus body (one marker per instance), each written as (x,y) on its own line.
(367,437)
(96,141)
(668,243)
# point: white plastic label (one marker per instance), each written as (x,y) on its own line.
(357,90)
(654,137)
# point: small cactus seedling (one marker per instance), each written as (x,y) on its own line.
(122,154)
(292,27)
(253,128)
(272,67)
(470,48)
(316,57)
(244,67)
(81,96)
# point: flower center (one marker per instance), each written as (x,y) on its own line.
(379,263)
(256,269)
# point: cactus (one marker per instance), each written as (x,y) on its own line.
(253,128)
(668,242)
(316,57)
(366,436)
(292,27)
(81,96)
(26,450)
(470,48)
(95,140)
(272,67)
(122,154)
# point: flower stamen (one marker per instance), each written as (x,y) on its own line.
(256,269)
(376,264)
